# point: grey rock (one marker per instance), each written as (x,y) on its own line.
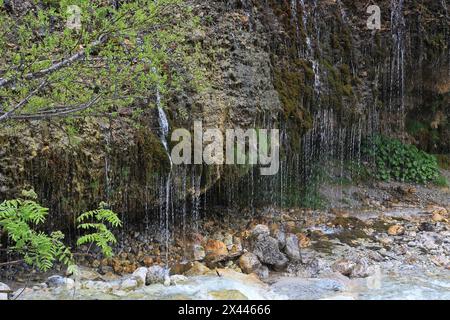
(198,252)
(268,252)
(176,279)
(280,235)
(59,281)
(140,275)
(292,248)
(260,229)
(156,274)
(249,263)
(129,284)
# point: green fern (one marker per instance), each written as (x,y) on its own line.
(95,221)
(17,218)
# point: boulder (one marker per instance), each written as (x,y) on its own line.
(353,269)
(292,249)
(249,263)
(215,250)
(180,268)
(129,284)
(176,279)
(59,281)
(280,235)
(197,252)
(228,240)
(140,275)
(156,274)
(148,261)
(268,252)
(197,269)
(260,229)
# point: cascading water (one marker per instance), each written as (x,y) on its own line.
(310,52)
(397,82)
(164,132)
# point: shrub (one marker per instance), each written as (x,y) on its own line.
(19,218)
(394,160)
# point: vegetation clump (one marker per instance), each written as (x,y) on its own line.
(394,160)
(21,218)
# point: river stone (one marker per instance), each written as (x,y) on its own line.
(198,269)
(98,285)
(280,235)
(180,268)
(249,263)
(267,250)
(198,252)
(344,267)
(156,274)
(260,229)
(228,295)
(59,281)
(292,248)
(129,284)
(140,275)
(215,249)
(228,240)
(4,295)
(262,272)
(176,279)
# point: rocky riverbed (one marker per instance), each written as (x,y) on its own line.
(399,253)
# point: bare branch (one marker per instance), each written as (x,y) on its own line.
(56,113)
(55,67)
(23,102)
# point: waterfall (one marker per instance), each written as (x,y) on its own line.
(163,127)
(165,191)
(310,52)
(397,83)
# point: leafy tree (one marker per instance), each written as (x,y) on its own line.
(119,57)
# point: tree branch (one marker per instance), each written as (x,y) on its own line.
(22,103)
(55,67)
(56,113)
